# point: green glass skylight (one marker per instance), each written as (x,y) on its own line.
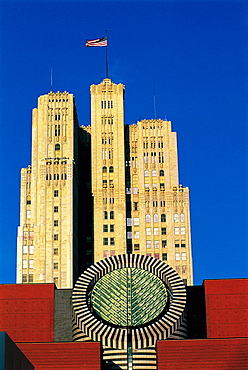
(129,297)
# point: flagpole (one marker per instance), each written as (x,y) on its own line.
(107,71)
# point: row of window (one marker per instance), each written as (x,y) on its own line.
(107,154)
(180,256)
(156,218)
(105,183)
(27,278)
(108,228)
(107,121)
(106,200)
(28,249)
(153,145)
(105,170)
(107,104)
(154,173)
(109,215)
(108,241)
(108,253)
(156,244)
(157,255)
(27,264)
(155,231)
(56,176)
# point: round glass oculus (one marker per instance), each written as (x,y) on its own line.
(129,297)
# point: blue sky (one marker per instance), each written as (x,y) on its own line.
(192,54)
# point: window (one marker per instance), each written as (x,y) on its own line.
(184,269)
(155,203)
(56,209)
(110,104)
(57,147)
(111,169)
(164,256)
(178,269)
(112,253)
(28,201)
(31,264)
(162,187)
(175,217)
(31,249)
(136,221)
(112,241)
(55,251)
(177,256)
(184,256)
(25,264)
(148,218)
(156,255)
(104,169)
(148,231)
(177,245)
(57,118)
(162,203)
(183,245)
(148,244)
(111,215)
(176,230)
(155,217)
(136,247)
(111,228)
(111,183)
(155,230)
(135,206)
(56,176)
(24,249)
(105,241)
(182,217)
(156,243)
(146,173)
(28,214)
(24,278)
(129,221)
(56,193)
(182,230)
(105,215)
(163,217)
(136,234)
(104,200)
(129,234)
(55,265)
(164,243)
(154,173)
(57,127)
(31,235)
(103,104)
(161,173)
(56,237)
(105,254)
(104,183)
(163,230)
(149,254)
(105,228)
(30,278)
(111,200)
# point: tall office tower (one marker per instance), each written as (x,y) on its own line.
(159,222)
(47,249)
(108,169)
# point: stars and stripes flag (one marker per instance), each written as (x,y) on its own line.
(97,42)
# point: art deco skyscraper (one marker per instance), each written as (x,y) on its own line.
(48,233)
(139,205)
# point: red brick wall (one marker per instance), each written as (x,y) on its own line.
(210,354)
(226,308)
(56,356)
(27,312)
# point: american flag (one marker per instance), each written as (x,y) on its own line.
(97,42)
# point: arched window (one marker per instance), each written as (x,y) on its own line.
(163,218)
(161,173)
(105,215)
(148,218)
(146,173)
(104,169)
(111,169)
(155,217)
(154,173)
(111,215)
(57,147)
